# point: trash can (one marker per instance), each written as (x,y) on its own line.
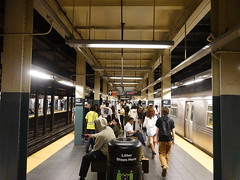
(124,159)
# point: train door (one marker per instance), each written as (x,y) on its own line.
(188,120)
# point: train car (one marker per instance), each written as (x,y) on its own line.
(192,114)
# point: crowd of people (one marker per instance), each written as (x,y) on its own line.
(147,124)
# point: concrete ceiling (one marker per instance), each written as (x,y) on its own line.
(103,20)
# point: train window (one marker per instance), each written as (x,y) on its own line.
(192,113)
(174,110)
(209,117)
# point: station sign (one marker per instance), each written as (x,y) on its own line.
(79,101)
(166,103)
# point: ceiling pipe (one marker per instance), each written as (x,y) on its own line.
(211,47)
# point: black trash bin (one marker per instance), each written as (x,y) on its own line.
(124,159)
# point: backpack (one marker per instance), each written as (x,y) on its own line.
(166,128)
(140,109)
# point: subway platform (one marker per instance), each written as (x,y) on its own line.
(61,161)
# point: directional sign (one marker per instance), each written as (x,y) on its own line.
(133,93)
(112,93)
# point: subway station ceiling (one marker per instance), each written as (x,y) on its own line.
(151,20)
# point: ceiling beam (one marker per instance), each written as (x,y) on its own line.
(124,69)
(126,28)
(137,60)
(173,4)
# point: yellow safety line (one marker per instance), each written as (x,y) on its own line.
(42,155)
(198,155)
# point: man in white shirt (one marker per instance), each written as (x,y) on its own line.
(135,133)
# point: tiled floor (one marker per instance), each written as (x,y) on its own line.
(65,164)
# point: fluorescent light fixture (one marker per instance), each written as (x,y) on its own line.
(140,44)
(130,78)
(174,87)
(192,82)
(40,75)
(130,83)
(68,83)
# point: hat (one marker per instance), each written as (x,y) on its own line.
(150,104)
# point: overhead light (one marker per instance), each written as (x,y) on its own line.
(174,87)
(131,78)
(140,44)
(192,82)
(68,83)
(40,75)
(130,83)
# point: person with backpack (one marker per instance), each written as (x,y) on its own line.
(165,133)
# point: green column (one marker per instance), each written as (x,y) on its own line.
(15,88)
(226,92)
(80,96)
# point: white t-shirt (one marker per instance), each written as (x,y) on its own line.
(106,111)
(133,113)
(150,124)
(128,127)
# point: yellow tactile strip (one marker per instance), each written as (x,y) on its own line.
(198,155)
(42,155)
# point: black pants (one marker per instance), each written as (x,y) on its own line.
(87,159)
(121,119)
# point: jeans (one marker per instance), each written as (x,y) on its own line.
(87,159)
(164,152)
(90,140)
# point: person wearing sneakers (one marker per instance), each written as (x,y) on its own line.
(149,123)
(165,133)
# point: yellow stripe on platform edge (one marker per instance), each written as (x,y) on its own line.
(198,155)
(42,155)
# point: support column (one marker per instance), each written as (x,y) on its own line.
(15,89)
(97,88)
(150,89)
(52,107)
(45,108)
(67,110)
(166,83)
(71,108)
(80,96)
(105,93)
(144,93)
(226,93)
(36,107)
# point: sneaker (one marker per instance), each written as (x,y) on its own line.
(82,178)
(164,171)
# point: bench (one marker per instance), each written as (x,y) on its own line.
(100,166)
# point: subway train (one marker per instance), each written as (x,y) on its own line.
(192,114)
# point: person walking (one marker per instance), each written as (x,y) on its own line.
(166,134)
(150,124)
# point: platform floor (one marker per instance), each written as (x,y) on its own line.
(63,164)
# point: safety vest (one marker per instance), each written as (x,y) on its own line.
(90,117)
